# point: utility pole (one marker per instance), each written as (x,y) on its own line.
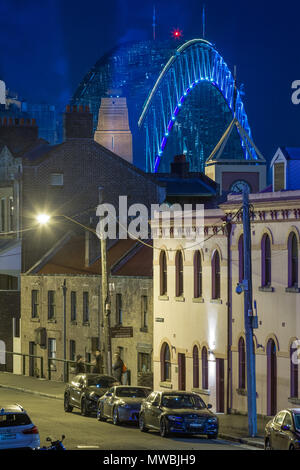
(248,316)
(64,288)
(105,298)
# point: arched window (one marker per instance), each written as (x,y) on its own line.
(204,368)
(195,367)
(292,260)
(241,257)
(216,278)
(179,274)
(266,261)
(294,372)
(242,364)
(197,275)
(165,363)
(163,273)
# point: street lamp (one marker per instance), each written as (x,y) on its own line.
(44,219)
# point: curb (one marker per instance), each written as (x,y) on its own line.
(242,440)
(33,392)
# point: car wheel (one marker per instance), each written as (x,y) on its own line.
(212,436)
(115,418)
(163,428)
(268,444)
(67,407)
(100,416)
(142,424)
(84,410)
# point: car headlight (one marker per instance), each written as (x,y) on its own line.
(175,418)
(212,420)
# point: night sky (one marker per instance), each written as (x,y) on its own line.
(47,46)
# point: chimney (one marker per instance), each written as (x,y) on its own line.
(78,123)
(17,133)
(180,166)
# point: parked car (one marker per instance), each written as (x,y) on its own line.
(84,391)
(283,431)
(122,403)
(178,412)
(17,431)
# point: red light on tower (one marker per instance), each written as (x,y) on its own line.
(176,33)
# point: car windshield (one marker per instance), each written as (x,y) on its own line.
(132,392)
(297,421)
(183,401)
(14,419)
(100,382)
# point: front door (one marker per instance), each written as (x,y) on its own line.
(220,385)
(32,360)
(181,371)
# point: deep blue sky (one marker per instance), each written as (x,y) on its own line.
(48,45)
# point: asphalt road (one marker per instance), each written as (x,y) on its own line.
(88,433)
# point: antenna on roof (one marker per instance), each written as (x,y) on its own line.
(203,22)
(154,24)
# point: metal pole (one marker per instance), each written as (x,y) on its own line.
(248,316)
(64,287)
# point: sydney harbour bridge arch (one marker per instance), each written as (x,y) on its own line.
(189,109)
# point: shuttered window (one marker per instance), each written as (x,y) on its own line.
(279,176)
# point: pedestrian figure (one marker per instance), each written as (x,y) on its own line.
(97,368)
(79,367)
(117,367)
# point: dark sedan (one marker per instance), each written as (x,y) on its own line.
(177,412)
(122,404)
(283,431)
(84,391)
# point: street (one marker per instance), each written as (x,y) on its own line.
(87,433)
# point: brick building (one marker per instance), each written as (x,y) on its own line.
(42,305)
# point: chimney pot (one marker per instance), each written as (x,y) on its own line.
(80,109)
(68,108)
(74,109)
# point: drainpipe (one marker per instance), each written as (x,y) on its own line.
(229,317)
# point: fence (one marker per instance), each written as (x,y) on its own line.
(31,366)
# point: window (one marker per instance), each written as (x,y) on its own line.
(216,281)
(266,261)
(242,364)
(144,311)
(165,363)
(34,304)
(51,304)
(293,372)
(73,306)
(241,258)
(204,369)
(144,362)
(279,177)
(119,311)
(11,214)
(85,307)
(56,179)
(163,273)
(197,275)
(3,217)
(72,350)
(179,274)
(292,260)
(195,367)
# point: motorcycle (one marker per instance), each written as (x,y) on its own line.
(55,445)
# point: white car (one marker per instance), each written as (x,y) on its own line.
(16,429)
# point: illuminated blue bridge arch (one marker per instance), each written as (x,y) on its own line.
(195,65)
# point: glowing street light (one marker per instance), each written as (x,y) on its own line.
(43,218)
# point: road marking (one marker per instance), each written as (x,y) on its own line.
(88,447)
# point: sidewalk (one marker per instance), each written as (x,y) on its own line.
(232,427)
